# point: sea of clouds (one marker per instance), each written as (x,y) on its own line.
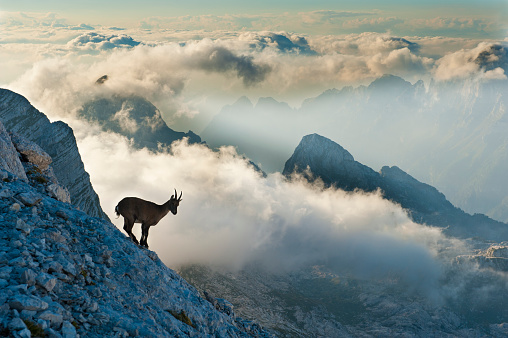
(231,215)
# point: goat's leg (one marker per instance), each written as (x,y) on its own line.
(127,226)
(144,235)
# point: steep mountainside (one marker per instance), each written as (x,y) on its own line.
(66,274)
(318,157)
(58,140)
(136,118)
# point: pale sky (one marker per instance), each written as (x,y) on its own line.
(129,13)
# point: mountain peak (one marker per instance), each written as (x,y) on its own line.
(332,163)
(271,103)
(134,117)
(389,80)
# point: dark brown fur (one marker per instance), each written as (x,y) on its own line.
(137,210)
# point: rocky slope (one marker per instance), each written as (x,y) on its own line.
(57,139)
(318,157)
(64,273)
(136,118)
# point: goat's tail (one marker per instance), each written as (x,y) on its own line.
(116,211)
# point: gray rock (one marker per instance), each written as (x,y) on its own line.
(68,330)
(25,333)
(5,272)
(31,303)
(54,318)
(9,158)
(31,151)
(55,267)
(29,198)
(69,268)
(5,193)
(46,281)
(50,333)
(21,225)
(16,324)
(28,277)
(59,192)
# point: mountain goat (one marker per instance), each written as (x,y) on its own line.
(137,210)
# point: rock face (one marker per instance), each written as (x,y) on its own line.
(318,157)
(10,157)
(64,273)
(57,140)
(136,118)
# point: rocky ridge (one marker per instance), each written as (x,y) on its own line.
(317,157)
(64,273)
(57,140)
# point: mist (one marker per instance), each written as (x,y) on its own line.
(231,216)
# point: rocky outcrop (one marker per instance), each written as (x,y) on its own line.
(9,160)
(31,164)
(57,140)
(317,157)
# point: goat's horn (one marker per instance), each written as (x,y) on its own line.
(179,198)
(176,194)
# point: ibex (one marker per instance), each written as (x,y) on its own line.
(137,210)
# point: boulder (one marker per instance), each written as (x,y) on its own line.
(31,303)
(31,152)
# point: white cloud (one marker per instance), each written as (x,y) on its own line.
(96,41)
(487,60)
(126,122)
(231,216)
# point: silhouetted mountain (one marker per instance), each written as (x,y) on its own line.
(136,118)
(318,157)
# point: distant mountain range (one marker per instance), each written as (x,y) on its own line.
(450,135)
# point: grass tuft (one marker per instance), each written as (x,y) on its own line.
(182,316)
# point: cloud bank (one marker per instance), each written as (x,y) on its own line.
(487,60)
(96,41)
(231,216)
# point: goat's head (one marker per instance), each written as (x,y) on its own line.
(175,202)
